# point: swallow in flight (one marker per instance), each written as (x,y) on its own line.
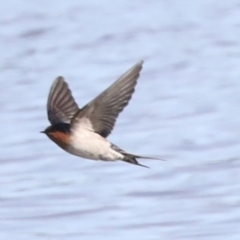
(83,131)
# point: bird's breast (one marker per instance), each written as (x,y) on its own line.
(61,139)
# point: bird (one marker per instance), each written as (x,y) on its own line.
(83,131)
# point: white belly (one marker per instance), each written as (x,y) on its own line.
(87,144)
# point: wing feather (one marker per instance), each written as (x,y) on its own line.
(61,105)
(103,111)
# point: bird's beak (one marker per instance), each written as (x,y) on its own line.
(42,132)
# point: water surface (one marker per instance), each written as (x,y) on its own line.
(185,109)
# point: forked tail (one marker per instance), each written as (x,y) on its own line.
(132,159)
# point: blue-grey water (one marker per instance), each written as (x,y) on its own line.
(185,110)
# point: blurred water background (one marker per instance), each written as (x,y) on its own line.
(185,109)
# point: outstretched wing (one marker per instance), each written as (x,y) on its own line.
(61,105)
(101,113)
